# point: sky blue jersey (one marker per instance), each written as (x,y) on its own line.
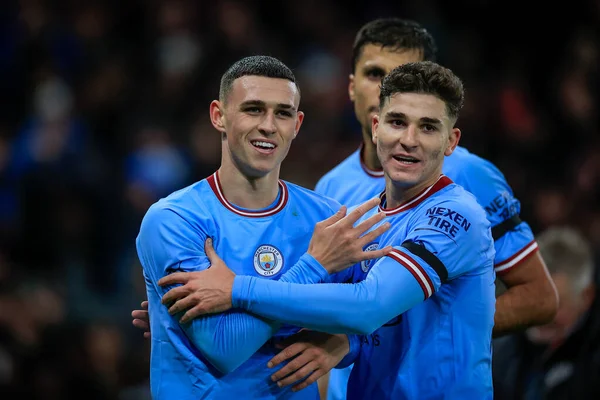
(352,183)
(426,310)
(224,356)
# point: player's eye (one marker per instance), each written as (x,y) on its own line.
(284,113)
(396,122)
(429,128)
(375,73)
(252,110)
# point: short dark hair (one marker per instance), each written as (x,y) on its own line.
(425,77)
(266,66)
(396,34)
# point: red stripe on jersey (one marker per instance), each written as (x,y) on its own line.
(441,183)
(520,256)
(215,185)
(416,270)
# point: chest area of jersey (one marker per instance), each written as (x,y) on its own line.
(263,248)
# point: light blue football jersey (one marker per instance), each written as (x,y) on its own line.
(352,183)
(187,360)
(426,309)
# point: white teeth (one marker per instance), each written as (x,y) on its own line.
(406,160)
(263,144)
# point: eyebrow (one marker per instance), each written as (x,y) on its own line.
(373,67)
(261,103)
(394,114)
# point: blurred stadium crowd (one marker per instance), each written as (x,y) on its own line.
(104,109)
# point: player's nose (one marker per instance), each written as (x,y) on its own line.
(409,137)
(267,124)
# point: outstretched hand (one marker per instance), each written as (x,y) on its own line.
(337,244)
(202,292)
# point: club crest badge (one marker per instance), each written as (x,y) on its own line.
(268,260)
(367,264)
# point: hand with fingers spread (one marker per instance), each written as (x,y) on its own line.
(141,319)
(202,292)
(313,354)
(337,244)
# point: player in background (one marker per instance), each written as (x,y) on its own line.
(430,301)
(262,226)
(531,298)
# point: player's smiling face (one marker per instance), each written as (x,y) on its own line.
(413,133)
(373,64)
(260,119)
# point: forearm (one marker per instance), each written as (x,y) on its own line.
(530,298)
(360,308)
(229,339)
(519,307)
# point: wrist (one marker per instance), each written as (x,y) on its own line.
(353,342)
(240,292)
(343,343)
(321,262)
(316,267)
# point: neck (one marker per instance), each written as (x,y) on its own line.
(248,192)
(397,194)
(369,152)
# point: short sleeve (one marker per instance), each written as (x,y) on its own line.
(444,241)
(513,237)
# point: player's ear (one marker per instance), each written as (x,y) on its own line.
(374,126)
(299,119)
(217,115)
(351,87)
(453,139)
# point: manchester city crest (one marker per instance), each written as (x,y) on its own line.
(366,264)
(268,260)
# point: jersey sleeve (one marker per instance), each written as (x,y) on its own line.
(358,308)
(514,247)
(514,240)
(167,243)
(451,237)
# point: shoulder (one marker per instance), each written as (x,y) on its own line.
(466,168)
(456,206)
(453,226)
(185,205)
(339,171)
(310,198)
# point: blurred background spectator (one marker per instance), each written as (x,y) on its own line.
(559,360)
(104,109)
